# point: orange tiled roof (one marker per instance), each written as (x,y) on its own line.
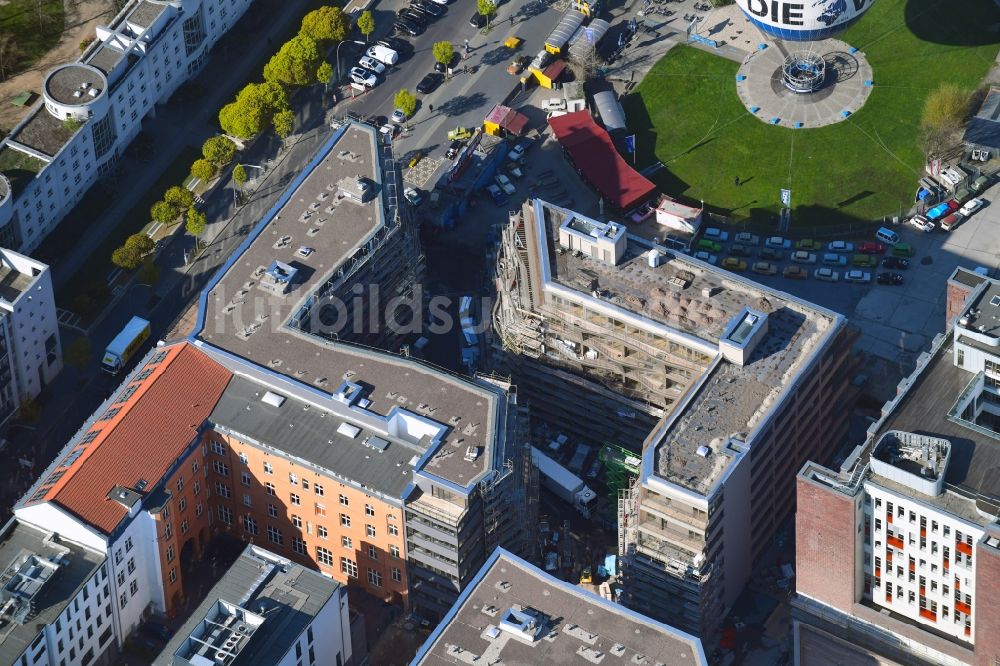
(139,438)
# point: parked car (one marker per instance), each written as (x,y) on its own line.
(477,20)
(864,260)
(897,263)
(803,257)
(952,221)
(972,205)
(795,273)
(504,182)
(778,243)
(710,245)
(363,77)
(893,279)
(826,274)
(453,149)
(871,247)
(405,25)
(429,83)
(747,238)
(714,233)
(642,213)
(706,257)
(840,246)
(499,198)
(372,64)
(771,254)
(518,64)
(764,268)
(902,250)
(834,259)
(390,44)
(429,7)
(397,116)
(739,250)
(417,156)
(516,153)
(412,197)
(857,276)
(808,244)
(734,264)
(411,14)
(440,2)
(383,52)
(459,133)
(922,223)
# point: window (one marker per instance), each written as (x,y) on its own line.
(172,576)
(245,478)
(369,510)
(349,567)
(243,458)
(121,578)
(297,521)
(275,535)
(374,577)
(170,553)
(394,551)
(225,515)
(129,545)
(318,489)
(194,466)
(133,587)
(305,484)
(272,510)
(250,525)
(218,448)
(131,565)
(269,487)
(322,532)
(268,469)
(293,479)
(370,530)
(372,552)
(184,526)
(182,504)
(323,556)
(345,520)
(123,600)
(247,500)
(294,499)
(344,501)
(396,574)
(299,545)
(197,487)
(320,509)
(393,530)
(347,543)
(220,467)
(222,490)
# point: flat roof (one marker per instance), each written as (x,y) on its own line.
(310,433)
(79,565)
(43,132)
(287,595)
(105,58)
(975,455)
(67,79)
(146,13)
(243,320)
(986,305)
(696,301)
(13,283)
(575,624)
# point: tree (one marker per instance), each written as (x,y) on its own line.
(366,23)
(219,150)
(486,8)
(239,175)
(443,52)
(196,223)
(141,244)
(406,102)
(77,353)
(326,24)
(163,212)
(284,123)
(149,273)
(324,74)
(179,197)
(295,62)
(945,111)
(29,411)
(203,170)
(126,258)
(252,110)
(85,43)
(10,53)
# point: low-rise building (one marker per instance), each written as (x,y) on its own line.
(266,610)
(91,109)
(515,613)
(724,386)
(898,550)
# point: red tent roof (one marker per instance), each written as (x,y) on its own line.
(594,154)
(507,118)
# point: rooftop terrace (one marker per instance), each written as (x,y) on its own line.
(983,314)
(70,567)
(241,318)
(146,13)
(693,303)
(513,613)
(43,132)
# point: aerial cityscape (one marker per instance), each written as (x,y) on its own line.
(525,332)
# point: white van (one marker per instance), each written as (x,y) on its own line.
(887,236)
(383,54)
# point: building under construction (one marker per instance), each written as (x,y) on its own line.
(614,339)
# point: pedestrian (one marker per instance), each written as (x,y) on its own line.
(466,46)
(736,181)
(430,107)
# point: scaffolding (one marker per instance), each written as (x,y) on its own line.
(621,468)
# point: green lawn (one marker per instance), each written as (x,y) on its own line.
(686,114)
(28,29)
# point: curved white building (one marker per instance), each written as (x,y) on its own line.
(803,20)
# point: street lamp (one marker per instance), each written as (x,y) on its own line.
(352,41)
(235,186)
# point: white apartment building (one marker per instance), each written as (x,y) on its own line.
(30,351)
(91,109)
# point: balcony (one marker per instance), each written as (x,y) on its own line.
(913,567)
(928,615)
(923,532)
(895,541)
(677,512)
(888,597)
(963,548)
(888,517)
(963,607)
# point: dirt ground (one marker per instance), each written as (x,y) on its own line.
(82,18)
